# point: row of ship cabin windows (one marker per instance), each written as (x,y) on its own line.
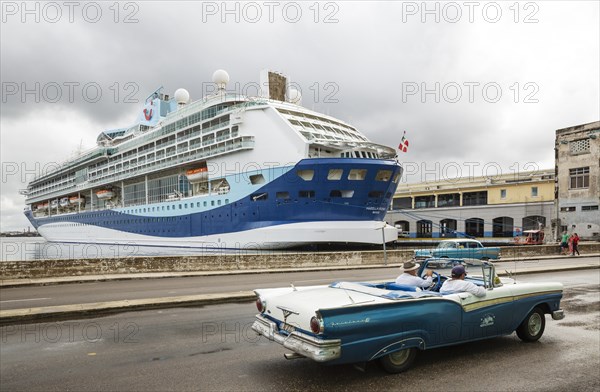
(353,175)
(310,194)
(179,206)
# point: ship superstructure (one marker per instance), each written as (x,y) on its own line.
(225,171)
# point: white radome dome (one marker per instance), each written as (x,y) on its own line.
(182,96)
(220,78)
(294,96)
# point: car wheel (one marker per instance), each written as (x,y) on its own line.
(398,361)
(532,328)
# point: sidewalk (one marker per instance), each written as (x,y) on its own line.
(64,312)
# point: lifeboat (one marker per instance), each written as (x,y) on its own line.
(64,202)
(197,175)
(77,200)
(105,194)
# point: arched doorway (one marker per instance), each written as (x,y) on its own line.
(448,228)
(474,227)
(424,229)
(503,226)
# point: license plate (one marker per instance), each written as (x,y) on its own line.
(288,328)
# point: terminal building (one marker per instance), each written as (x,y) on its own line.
(577,191)
(501,206)
(564,199)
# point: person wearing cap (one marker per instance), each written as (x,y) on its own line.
(409,276)
(457,284)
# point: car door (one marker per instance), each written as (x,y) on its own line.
(488,316)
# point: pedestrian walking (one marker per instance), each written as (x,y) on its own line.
(574,243)
(564,246)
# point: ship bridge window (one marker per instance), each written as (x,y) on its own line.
(306,194)
(257,179)
(397,177)
(282,195)
(383,175)
(335,174)
(357,174)
(306,175)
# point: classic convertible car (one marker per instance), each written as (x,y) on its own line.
(348,322)
(463,248)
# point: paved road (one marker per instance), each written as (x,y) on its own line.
(213,348)
(81,293)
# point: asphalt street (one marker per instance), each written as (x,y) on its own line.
(213,348)
(92,292)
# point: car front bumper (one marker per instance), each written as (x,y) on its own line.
(308,346)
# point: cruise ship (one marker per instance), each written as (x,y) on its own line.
(226,171)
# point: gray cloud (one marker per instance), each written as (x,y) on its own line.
(362,63)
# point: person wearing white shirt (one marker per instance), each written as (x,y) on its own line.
(409,276)
(458,284)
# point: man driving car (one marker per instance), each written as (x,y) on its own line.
(458,284)
(409,276)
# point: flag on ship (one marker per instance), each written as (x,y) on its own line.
(403,143)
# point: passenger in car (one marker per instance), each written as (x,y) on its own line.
(458,284)
(409,276)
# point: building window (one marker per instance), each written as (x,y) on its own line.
(534,191)
(580,146)
(567,209)
(503,193)
(475,198)
(589,208)
(579,178)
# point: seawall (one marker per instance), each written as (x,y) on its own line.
(145,264)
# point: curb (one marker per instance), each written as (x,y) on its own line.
(8,283)
(66,312)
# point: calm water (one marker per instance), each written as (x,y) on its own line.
(36,248)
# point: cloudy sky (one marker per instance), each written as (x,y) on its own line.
(480,86)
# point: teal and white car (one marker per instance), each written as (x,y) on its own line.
(460,248)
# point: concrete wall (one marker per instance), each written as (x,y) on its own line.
(81,267)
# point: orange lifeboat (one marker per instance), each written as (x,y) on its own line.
(197,174)
(105,194)
(77,200)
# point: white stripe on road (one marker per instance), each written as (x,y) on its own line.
(19,300)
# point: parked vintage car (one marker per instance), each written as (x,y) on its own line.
(348,322)
(461,248)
